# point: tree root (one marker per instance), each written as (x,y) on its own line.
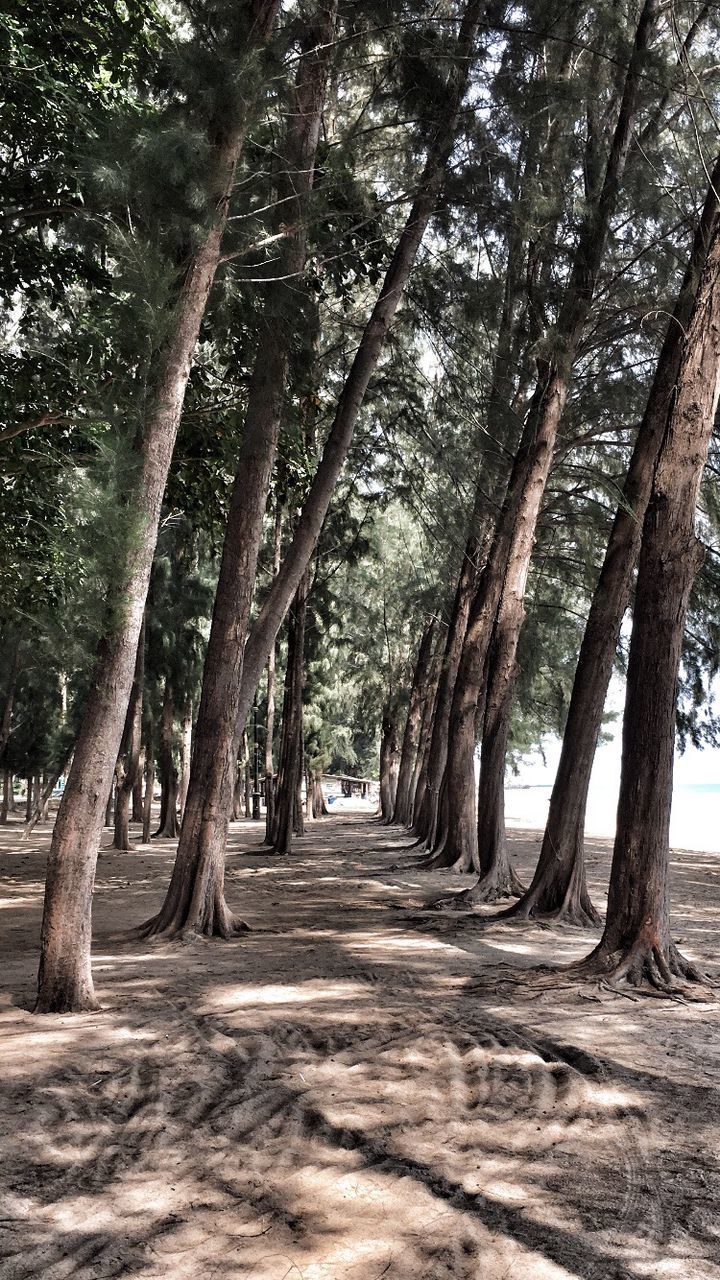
(581,915)
(488,889)
(646,968)
(186,931)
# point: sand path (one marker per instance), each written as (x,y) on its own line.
(353,1090)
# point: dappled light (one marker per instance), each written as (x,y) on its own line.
(343,1092)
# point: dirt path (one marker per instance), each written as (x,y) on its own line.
(354,1090)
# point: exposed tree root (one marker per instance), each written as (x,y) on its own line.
(223,925)
(645,968)
(493,887)
(580,913)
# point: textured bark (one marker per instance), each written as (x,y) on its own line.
(636,946)
(288,806)
(7,788)
(65,978)
(185,753)
(270,701)
(389,762)
(558,888)
(418,781)
(413,725)
(128,768)
(265,628)
(502,585)
(319,807)
(169,825)
(195,900)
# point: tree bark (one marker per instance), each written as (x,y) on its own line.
(319,807)
(505,576)
(558,889)
(264,630)
(288,807)
(270,701)
(413,724)
(65,978)
(389,762)
(7,786)
(129,759)
(149,773)
(195,901)
(185,753)
(636,946)
(419,776)
(169,825)
(6,721)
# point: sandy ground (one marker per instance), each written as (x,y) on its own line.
(353,1090)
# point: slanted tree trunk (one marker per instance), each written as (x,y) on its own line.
(558,889)
(185,752)
(264,630)
(636,946)
(195,900)
(169,826)
(288,807)
(128,766)
(270,701)
(505,575)
(413,724)
(65,979)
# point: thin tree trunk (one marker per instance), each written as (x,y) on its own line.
(558,888)
(288,809)
(128,769)
(65,977)
(169,825)
(319,807)
(6,721)
(389,762)
(413,723)
(149,788)
(28,797)
(419,778)
(636,945)
(195,900)
(270,712)
(185,752)
(505,575)
(7,786)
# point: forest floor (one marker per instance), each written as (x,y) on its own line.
(353,1090)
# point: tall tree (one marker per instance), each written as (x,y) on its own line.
(65,978)
(636,945)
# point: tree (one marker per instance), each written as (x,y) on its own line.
(65,979)
(636,946)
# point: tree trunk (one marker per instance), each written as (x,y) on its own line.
(558,889)
(288,808)
(413,724)
(505,575)
(7,787)
(28,798)
(137,794)
(185,752)
(319,807)
(419,776)
(149,778)
(6,721)
(389,762)
(270,703)
(129,760)
(195,900)
(264,630)
(636,945)
(65,978)
(169,825)
(108,820)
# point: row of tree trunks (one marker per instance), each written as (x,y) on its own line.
(389,761)
(500,597)
(558,888)
(411,737)
(195,900)
(65,977)
(419,774)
